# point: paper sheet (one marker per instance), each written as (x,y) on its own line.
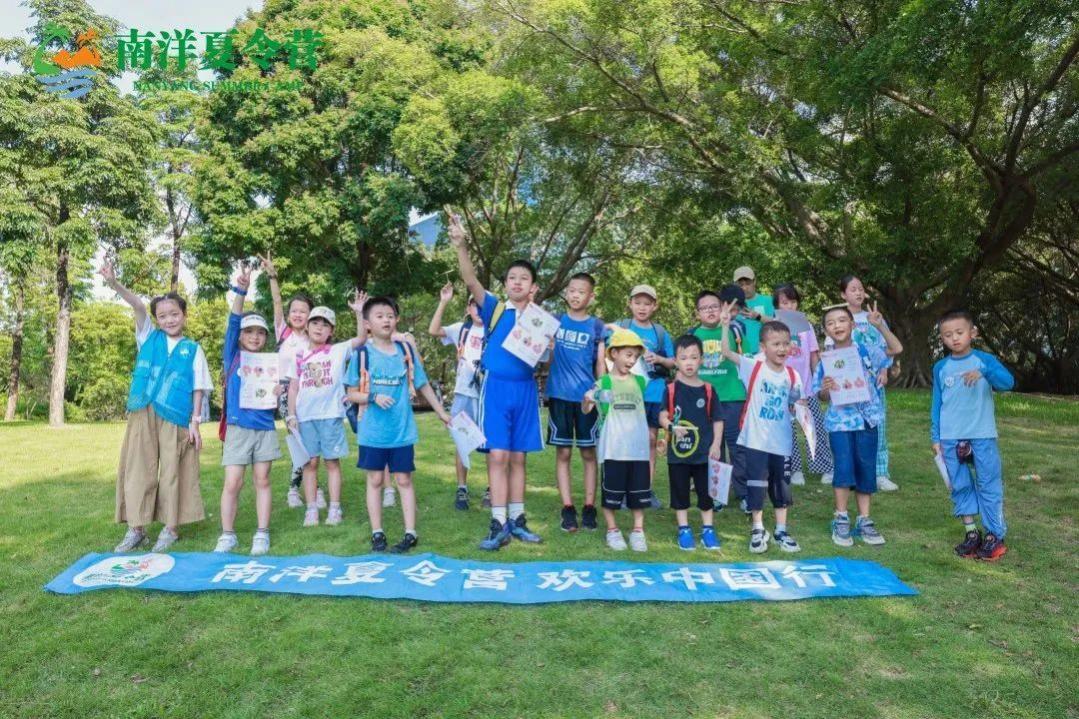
(805,419)
(719,480)
(531,336)
(845,367)
(296,450)
(467,435)
(258,378)
(943,469)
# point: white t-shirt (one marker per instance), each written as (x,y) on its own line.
(767,426)
(201,369)
(319,372)
(624,435)
(292,343)
(468,359)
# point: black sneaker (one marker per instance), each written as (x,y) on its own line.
(461,500)
(992,549)
(588,516)
(569,519)
(378,542)
(405,544)
(486,503)
(972,542)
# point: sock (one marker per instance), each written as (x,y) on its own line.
(499,513)
(616,530)
(683,526)
(412,532)
(863,517)
(780,527)
(758,525)
(706,526)
(375,531)
(335,505)
(516,509)
(462,486)
(842,515)
(970,526)
(637,530)
(262,531)
(312,505)
(223,533)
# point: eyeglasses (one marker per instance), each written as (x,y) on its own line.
(708,308)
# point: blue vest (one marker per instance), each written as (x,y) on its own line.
(164,380)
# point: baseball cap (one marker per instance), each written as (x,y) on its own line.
(622,337)
(325,313)
(644,290)
(744,272)
(253,320)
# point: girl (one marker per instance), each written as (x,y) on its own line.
(803,358)
(854,295)
(250,437)
(158,478)
(291,339)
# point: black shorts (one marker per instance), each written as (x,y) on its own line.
(567,425)
(651,413)
(769,473)
(627,480)
(680,476)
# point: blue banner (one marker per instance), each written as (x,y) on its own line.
(432,578)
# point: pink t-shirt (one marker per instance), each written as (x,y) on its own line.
(803,345)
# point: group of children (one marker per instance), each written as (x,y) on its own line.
(726,390)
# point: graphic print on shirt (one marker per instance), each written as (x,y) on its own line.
(315,371)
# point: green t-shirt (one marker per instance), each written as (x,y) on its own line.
(717,369)
(763,304)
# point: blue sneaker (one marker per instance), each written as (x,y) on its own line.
(709,540)
(519,529)
(685,539)
(498,537)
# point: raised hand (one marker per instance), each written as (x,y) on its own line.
(266,262)
(874,316)
(359,299)
(456,230)
(243,280)
(108,273)
(446,293)
(725,313)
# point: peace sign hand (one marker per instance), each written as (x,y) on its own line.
(456,230)
(267,265)
(874,316)
(243,280)
(725,313)
(108,273)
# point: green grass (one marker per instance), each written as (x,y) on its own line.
(985,640)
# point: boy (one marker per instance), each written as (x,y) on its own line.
(964,432)
(622,443)
(852,428)
(655,364)
(382,377)
(757,309)
(509,399)
(316,401)
(766,430)
(691,416)
(577,361)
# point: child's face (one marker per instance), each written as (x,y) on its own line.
(957,335)
(319,330)
(748,286)
(624,358)
(170,318)
(642,307)
(776,346)
(382,321)
(519,284)
(787,303)
(252,339)
(688,361)
(855,294)
(708,311)
(837,325)
(579,294)
(297,315)
(474,312)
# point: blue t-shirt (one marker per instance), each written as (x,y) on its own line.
(962,412)
(650,336)
(396,426)
(497,361)
(247,418)
(573,365)
(864,415)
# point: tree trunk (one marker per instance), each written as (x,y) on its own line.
(58,381)
(16,354)
(915,329)
(174,277)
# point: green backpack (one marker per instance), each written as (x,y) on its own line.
(605,383)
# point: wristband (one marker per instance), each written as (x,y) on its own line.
(239,291)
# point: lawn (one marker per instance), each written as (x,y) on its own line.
(984,640)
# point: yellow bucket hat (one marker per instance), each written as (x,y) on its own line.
(624,338)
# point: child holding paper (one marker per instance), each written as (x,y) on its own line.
(964,433)
(852,428)
(691,415)
(250,435)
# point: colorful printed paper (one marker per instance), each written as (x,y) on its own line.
(531,336)
(258,379)
(845,367)
(805,421)
(719,480)
(467,436)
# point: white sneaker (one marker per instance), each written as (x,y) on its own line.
(260,544)
(615,540)
(798,478)
(826,478)
(320,499)
(389,497)
(637,542)
(310,517)
(294,499)
(886,485)
(226,542)
(165,540)
(133,539)
(333,517)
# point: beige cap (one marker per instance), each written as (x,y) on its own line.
(253,321)
(325,313)
(644,290)
(745,272)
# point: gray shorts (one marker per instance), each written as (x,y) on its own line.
(246,446)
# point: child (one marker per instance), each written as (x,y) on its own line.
(756,309)
(575,364)
(467,336)
(622,445)
(291,335)
(250,435)
(852,428)
(803,359)
(655,365)
(691,416)
(964,432)
(381,378)
(766,431)
(509,399)
(158,478)
(316,400)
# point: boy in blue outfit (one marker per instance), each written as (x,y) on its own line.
(964,433)
(509,399)
(576,363)
(383,375)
